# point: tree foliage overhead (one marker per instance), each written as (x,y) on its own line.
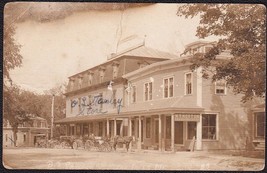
(242,29)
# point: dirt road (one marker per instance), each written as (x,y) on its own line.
(42,158)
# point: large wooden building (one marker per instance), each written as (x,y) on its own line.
(156,98)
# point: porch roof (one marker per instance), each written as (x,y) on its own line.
(145,112)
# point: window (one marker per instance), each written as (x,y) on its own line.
(100,128)
(72,130)
(101,74)
(188,83)
(80,104)
(114,98)
(90,79)
(115,71)
(90,100)
(24,137)
(191,130)
(85,129)
(101,78)
(91,128)
(209,126)
(168,87)
(71,106)
(133,94)
(220,87)
(148,127)
(80,81)
(148,91)
(78,130)
(100,98)
(260,124)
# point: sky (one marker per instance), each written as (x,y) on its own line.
(54,50)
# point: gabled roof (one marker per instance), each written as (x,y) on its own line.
(155,65)
(143,51)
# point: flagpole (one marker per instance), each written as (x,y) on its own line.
(52,115)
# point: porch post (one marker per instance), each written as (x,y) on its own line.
(81,130)
(172,133)
(130,131)
(160,136)
(108,127)
(139,134)
(75,128)
(115,127)
(199,135)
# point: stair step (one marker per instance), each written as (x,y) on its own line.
(260,148)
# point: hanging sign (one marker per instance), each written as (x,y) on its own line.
(186,117)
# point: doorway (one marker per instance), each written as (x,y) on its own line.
(179,132)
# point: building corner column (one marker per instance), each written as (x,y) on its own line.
(172,133)
(199,134)
(139,134)
(160,134)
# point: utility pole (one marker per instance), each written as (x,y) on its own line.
(52,115)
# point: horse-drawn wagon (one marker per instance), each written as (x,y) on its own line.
(97,143)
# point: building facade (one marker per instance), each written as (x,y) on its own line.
(28,133)
(156,98)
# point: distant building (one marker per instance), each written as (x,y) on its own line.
(28,133)
(155,97)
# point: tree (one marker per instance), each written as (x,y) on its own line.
(13,109)
(242,31)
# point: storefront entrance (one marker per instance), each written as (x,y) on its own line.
(179,132)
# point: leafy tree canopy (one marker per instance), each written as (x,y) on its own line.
(241,28)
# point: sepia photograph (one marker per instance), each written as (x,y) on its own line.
(134,86)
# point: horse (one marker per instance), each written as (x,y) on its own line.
(124,140)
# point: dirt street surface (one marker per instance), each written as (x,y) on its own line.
(42,158)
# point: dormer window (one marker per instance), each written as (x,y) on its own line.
(115,66)
(101,74)
(90,78)
(71,84)
(142,64)
(80,80)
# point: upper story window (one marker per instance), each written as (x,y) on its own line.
(114,98)
(168,87)
(209,126)
(133,96)
(71,107)
(101,97)
(148,91)
(220,87)
(188,83)
(90,100)
(80,104)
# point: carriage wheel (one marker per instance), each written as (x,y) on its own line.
(75,145)
(63,144)
(109,147)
